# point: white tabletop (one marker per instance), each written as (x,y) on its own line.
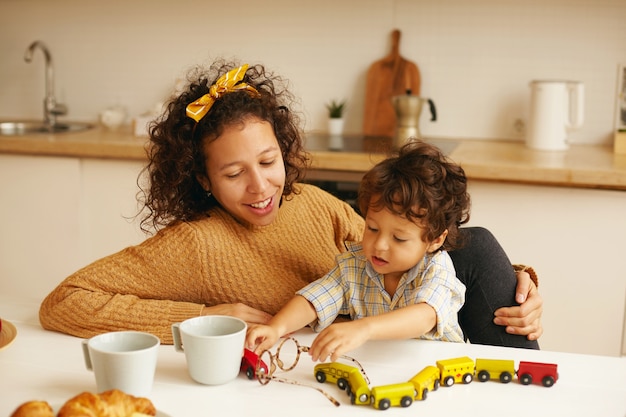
(49,366)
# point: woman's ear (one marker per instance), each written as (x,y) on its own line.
(438,242)
(204,182)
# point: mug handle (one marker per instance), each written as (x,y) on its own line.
(176,335)
(86,355)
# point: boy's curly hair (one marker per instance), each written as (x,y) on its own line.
(421,184)
(176,150)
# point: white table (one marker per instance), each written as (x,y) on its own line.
(49,366)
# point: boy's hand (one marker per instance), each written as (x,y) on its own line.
(260,337)
(339,338)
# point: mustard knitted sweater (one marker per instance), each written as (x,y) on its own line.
(170,276)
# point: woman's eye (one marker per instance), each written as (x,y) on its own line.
(399,239)
(270,162)
(372,229)
(233,175)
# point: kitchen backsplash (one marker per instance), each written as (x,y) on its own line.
(476,58)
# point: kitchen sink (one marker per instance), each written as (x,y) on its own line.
(38,127)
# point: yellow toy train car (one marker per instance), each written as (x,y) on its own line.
(502,369)
(347,378)
(456,370)
(426,380)
(393,395)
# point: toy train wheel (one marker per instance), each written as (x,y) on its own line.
(348,389)
(363,398)
(424,394)
(436,385)
(547,381)
(250,372)
(506,377)
(384,404)
(467,378)
(448,381)
(320,376)
(406,401)
(483,376)
(342,384)
(526,379)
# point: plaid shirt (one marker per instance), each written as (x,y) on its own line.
(353,287)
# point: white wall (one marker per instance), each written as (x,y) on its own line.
(476,57)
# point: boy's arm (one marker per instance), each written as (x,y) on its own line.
(296,314)
(408,322)
(404,323)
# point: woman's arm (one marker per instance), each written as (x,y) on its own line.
(145,287)
(524,319)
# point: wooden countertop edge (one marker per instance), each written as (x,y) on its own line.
(489,160)
(134,149)
(543,176)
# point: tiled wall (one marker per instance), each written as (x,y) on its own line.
(476,57)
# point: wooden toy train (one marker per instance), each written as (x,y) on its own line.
(446,373)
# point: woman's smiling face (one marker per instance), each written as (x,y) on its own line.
(246,172)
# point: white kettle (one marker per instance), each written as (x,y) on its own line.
(555,107)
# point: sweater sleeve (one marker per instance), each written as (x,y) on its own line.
(348,225)
(139,288)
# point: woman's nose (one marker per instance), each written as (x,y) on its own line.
(258,182)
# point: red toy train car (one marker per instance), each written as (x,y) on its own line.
(540,373)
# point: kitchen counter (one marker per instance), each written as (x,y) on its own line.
(586,166)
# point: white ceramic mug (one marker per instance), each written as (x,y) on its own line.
(213,347)
(124,360)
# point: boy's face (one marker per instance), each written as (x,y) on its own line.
(393,244)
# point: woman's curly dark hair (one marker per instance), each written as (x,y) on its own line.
(421,184)
(176,151)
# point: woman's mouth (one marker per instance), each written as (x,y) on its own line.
(261,204)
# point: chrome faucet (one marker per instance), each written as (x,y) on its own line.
(51,109)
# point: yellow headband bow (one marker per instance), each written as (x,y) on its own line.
(227,83)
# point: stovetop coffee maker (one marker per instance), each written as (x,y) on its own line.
(408,110)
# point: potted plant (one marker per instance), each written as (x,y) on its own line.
(335,117)
(335,109)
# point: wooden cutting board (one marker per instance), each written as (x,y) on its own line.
(393,75)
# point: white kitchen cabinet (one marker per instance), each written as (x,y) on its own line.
(58,214)
(109,206)
(39,212)
(574,238)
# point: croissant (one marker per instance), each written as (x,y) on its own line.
(33,409)
(113,403)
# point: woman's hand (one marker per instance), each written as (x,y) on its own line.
(239,310)
(524,319)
